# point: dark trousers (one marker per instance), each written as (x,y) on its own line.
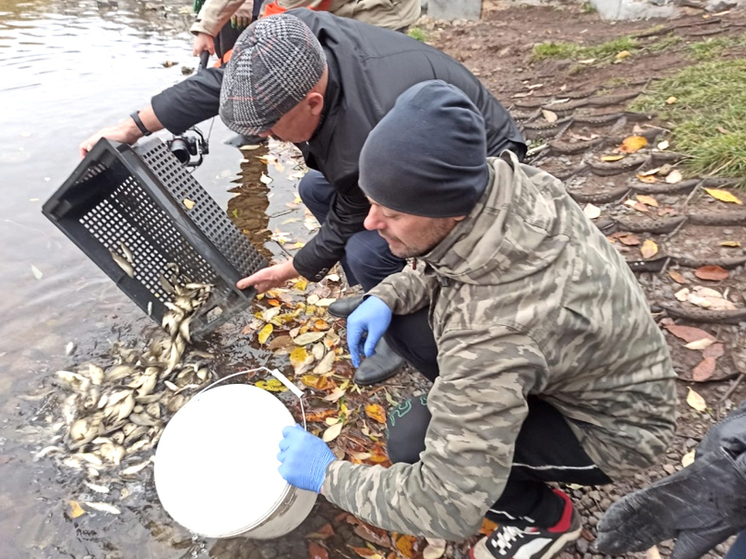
(367,261)
(546,450)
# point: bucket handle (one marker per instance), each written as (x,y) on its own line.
(275,373)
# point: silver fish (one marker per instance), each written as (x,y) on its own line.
(126,267)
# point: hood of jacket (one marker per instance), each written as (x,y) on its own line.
(518,228)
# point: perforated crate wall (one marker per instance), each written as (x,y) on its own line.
(136,196)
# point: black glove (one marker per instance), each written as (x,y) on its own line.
(699,506)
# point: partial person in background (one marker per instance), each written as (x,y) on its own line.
(212,33)
(219,23)
(699,506)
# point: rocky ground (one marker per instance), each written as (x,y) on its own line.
(674,234)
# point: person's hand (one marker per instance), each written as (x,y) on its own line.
(203,42)
(243,15)
(372,318)
(267,278)
(121,132)
(700,506)
(303,459)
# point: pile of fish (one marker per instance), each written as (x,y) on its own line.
(114,416)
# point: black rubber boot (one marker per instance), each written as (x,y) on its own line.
(342,308)
(377,368)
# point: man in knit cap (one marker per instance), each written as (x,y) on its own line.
(323,83)
(551,368)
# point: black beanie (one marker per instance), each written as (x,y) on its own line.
(428,155)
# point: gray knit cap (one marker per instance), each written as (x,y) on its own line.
(428,155)
(276,61)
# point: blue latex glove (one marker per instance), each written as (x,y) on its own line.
(304,458)
(372,318)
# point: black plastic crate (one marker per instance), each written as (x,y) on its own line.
(137,196)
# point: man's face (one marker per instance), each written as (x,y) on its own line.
(408,235)
(299,123)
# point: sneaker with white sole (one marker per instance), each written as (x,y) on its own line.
(530,542)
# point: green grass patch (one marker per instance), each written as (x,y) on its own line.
(417,33)
(664,42)
(711,49)
(708,116)
(575,51)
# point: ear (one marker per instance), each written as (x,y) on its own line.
(315,102)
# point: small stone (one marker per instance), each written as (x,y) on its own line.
(581,545)
(727,231)
(669,469)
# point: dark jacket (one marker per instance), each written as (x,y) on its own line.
(369,68)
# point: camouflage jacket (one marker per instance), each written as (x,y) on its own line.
(526,297)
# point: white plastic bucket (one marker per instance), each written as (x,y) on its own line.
(216,466)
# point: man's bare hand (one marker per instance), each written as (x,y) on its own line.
(267,278)
(203,42)
(125,131)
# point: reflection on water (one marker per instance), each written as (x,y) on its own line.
(70,68)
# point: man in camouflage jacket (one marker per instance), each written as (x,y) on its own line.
(551,368)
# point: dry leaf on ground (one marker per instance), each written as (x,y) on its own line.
(373,535)
(633,144)
(671,100)
(663,145)
(591,211)
(723,195)
(265,333)
(677,277)
(367,553)
(688,458)
(332,432)
(714,351)
(711,273)
(730,244)
(376,412)
(317,551)
(76,510)
(435,549)
(647,200)
(696,401)
(688,333)
(487,527)
(674,177)
(634,204)
(648,249)
(611,158)
(628,239)
(699,345)
(549,116)
(308,338)
(406,546)
(704,370)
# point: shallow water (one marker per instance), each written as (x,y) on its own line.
(69,68)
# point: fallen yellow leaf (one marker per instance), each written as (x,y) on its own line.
(696,401)
(299,356)
(646,178)
(611,157)
(730,244)
(647,200)
(648,249)
(301,284)
(723,195)
(271,385)
(671,100)
(623,54)
(632,144)
(76,510)
(376,412)
(188,204)
(265,333)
